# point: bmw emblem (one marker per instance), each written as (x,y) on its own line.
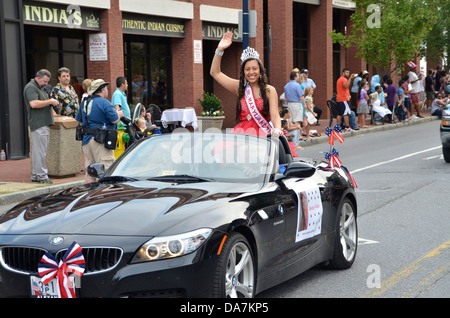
(280,209)
(57,240)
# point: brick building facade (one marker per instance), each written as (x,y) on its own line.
(154,43)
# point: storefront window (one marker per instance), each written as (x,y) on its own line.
(52,48)
(147,68)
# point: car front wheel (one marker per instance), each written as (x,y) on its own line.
(346,241)
(446,153)
(235,276)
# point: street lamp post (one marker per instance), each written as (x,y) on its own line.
(245,22)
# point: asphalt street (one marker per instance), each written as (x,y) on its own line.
(403,219)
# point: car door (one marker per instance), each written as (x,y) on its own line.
(304,221)
(268,224)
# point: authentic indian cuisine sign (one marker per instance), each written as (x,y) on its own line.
(150,25)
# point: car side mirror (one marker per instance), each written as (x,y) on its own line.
(299,170)
(96,170)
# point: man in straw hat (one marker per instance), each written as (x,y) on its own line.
(95,112)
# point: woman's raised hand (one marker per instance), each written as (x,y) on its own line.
(226,41)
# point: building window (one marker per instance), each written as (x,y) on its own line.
(337,47)
(301,31)
(52,48)
(148,70)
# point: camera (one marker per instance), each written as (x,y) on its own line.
(126,120)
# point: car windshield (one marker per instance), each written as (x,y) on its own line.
(197,157)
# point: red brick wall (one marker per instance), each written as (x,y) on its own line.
(321,54)
(187,76)
(111,24)
(280,15)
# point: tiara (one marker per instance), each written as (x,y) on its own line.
(249,53)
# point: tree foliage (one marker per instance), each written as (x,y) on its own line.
(437,41)
(388,34)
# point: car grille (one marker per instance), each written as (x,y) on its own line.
(26,259)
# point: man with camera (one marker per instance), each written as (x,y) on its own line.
(99,118)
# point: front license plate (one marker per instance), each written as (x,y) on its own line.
(50,290)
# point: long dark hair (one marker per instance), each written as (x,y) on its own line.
(263,81)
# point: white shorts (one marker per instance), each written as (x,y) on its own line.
(296,110)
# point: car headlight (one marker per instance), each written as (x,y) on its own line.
(165,247)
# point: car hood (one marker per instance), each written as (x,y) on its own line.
(135,208)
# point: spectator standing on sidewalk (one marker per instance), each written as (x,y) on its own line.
(86,83)
(65,94)
(407,93)
(119,97)
(40,118)
(392,98)
(305,82)
(295,99)
(429,89)
(363,107)
(119,101)
(343,97)
(354,93)
(77,87)
(96,112)
(415,85)
(437,78)
(403,111)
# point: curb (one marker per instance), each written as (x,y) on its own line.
(19,196)
(387,126)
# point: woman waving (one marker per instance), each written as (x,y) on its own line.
(257,102)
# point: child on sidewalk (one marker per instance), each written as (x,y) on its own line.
(403,112)
(292,129)
(310,118)
(363,107)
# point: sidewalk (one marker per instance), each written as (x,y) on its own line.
(16,186)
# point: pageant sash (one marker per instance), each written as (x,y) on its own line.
(256,115)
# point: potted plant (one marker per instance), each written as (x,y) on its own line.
(212,115)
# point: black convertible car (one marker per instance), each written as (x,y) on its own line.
(183,215)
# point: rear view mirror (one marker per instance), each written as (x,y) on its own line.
(299,170)
(96,170)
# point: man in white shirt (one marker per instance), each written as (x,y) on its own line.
(305,81)
(415,85)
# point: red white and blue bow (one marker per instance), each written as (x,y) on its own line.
(72,263)
(334,133)
(333,159)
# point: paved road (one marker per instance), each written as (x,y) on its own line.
(404,248)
